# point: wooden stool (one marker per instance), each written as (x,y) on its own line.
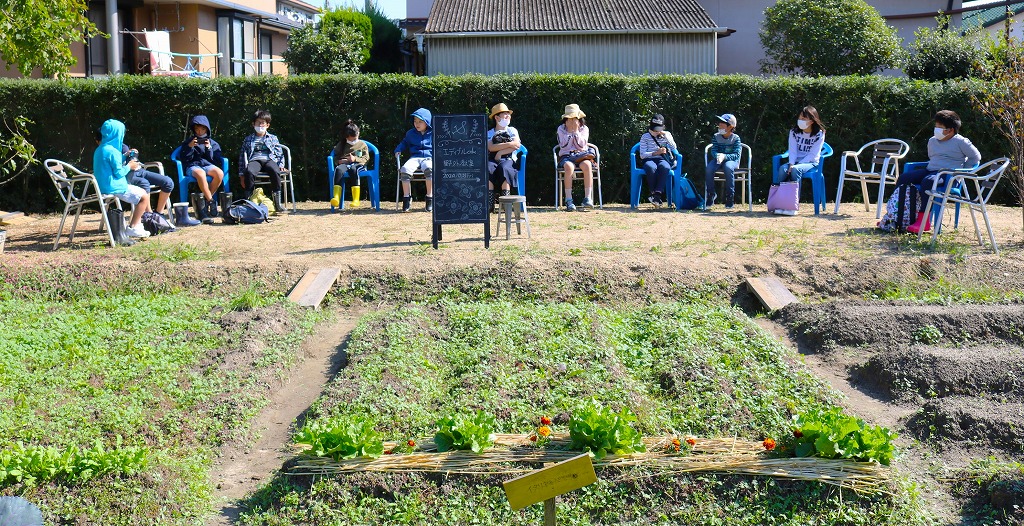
(507,206)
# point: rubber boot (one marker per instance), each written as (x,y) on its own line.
(181,217)
(116,219)
(924,218)
(276,196)
(430,204)
(225,202)
(355,195)
(201,208)
(336,200)
(212,206)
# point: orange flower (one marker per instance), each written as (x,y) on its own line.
(676,442)
(543,431)
(533,438)
(769,444)
(411,442)
(545,421)
(388,451)
(691,441)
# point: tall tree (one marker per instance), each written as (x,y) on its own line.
(1003,101)
(39,34)
(827,37)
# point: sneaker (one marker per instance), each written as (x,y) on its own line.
(406,203)
(430,204)
(730,207)
(587,203)
(569,206)
(652,200)
(136,231)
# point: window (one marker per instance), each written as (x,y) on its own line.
(266,53)
(236,39)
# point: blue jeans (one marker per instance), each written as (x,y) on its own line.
(656,174)
(915,176)
(728,168)
(796,174)
(146,179)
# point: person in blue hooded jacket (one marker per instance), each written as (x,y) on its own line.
(419,142)
(201,156)
(110,171)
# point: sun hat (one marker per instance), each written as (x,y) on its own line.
(657,123)
(499,108)
(727,118)
(572,111)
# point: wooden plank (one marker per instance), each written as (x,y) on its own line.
(772,293)
(314,286)
(550,482)
(14,218)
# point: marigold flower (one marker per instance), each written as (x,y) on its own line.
(533,438)
(691,441)
(545,421)
(543,431)
(388,451)
(411,442)
(769,444)
(676,442)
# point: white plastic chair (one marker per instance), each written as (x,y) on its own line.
(972,188)
(742,175)
(77,189)
(884,168)
(577,174)
(417,177)
(287,181)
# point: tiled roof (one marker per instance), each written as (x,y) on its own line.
(990,16)
(458,16)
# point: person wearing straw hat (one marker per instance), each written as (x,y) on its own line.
(502,144)
(573,136)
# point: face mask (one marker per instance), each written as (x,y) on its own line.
(504,122)
(940,133)
(260,129)
(721,131)
(352,142)
(803,124)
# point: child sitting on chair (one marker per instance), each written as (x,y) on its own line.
(502,144)
(418,142)
(573,151)
(144,178)
(725,147)
(350,158)
(111,172)
(261,153)
(947,150)
(201,156)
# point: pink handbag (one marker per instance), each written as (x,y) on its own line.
(784,198)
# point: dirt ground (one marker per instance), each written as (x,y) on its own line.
(948,379)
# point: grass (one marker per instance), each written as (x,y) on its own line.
(690,367)
(82,364)
(993,490)
(941,291)
(172,252)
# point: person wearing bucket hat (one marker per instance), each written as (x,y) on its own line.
(725,156)
(502,146)
(656,147)
(573,136)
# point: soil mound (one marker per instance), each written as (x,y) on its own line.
(929,372)
(861,323)
(979,421)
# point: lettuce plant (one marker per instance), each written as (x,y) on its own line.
(342,437)
(472,433)
(832,434)
(601,431)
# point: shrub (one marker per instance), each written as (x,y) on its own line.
(827,37)
(327,49)
(356,20)
(940,54)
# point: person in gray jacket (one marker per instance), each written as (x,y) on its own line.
(947,150)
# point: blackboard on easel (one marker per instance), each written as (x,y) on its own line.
(460,173)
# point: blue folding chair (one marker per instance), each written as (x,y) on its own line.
(815,175)
(185,179)
(373,173)
(523,152)
(636,177)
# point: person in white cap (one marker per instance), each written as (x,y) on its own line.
(725,147)
(573,136)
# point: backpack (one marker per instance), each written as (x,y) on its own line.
(687,196)
(155,223)
(901,209)
(246,212)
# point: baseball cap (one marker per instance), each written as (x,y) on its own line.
(727,118)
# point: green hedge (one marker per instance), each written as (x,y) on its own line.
(308,112)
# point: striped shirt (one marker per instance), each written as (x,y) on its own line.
(648,145)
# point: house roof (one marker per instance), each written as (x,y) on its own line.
(989,17)
(460,16)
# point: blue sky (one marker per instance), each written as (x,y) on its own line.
(394,9)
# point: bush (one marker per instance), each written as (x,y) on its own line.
(347,17)
(940,54)
(310,110)
(827,37)
(327,49)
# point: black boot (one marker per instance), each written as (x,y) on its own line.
(181,217)
(201,208)
(276,196)
(225,202)
(212,207)
(430,204)
(116,219)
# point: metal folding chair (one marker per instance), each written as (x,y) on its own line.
(577,174)
(77,189)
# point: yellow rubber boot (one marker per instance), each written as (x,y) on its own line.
(355,195)
(336,201)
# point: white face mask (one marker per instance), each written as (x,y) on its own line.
(803,124)
(940,133)
(503,122)
(352,142)
(260,129)
(721,131)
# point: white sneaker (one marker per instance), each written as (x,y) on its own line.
(137,231)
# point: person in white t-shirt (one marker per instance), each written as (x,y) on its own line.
(805,143)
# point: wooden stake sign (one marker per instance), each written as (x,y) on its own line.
(546,484)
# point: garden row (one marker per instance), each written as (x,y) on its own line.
(309,112)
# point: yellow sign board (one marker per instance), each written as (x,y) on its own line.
(550,482)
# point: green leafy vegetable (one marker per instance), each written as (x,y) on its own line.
(601,431)
(832,434)
(465,433)
(342,437)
